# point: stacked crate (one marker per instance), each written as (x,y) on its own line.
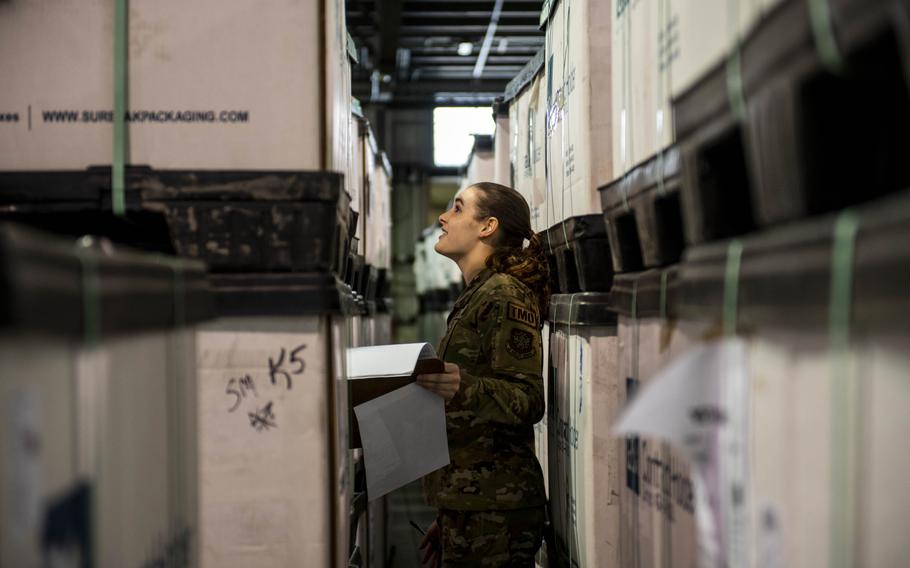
(745,150)
(98,387)
(237,146)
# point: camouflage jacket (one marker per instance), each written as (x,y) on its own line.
(493,335)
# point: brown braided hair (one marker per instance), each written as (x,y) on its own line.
(527,264)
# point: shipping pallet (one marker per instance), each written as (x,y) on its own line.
(802,136)
(642,215)
(578,252)
(786,273)
(233,221)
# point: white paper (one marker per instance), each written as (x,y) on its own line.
(387,360)
(404,437)
(699,404)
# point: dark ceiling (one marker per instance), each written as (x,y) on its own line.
(409,49)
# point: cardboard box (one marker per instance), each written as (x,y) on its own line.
(92,435)
(502,140)
(579,127)
(660,49)
(378,213)
(795,425)
(657,498)
(210,86)
(583,471)
(527,115)
(275,477)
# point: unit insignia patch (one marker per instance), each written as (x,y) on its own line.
(520,344)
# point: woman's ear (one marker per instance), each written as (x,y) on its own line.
(489,227)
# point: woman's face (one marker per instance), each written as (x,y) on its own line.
(461,230)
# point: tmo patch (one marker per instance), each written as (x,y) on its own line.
(521,315)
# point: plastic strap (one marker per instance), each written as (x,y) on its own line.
(572,454)
(635,299)
(91,292)
(118,175)
(823,34)
(731,286)
(663,294)
(735,93)
(844,421)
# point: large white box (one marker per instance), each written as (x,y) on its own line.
(275,478)
(236,86)
(527,118)
(584,476)
(378,211)
(502,139)
(795,423)
(660,49)
(579,119)
(117,419)
(657,501)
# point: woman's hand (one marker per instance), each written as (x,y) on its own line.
(444,384)
(431,542)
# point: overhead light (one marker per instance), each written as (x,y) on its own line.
(465,48)
(503,45)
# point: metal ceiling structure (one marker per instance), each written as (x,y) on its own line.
(428,52)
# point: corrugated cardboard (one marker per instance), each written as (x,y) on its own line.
(267,490)
(211,85)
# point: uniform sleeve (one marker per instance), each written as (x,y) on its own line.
(510,336)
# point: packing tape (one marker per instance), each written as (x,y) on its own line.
(845,412)
(121,52)
(91,292)
(823,33)
(731,287)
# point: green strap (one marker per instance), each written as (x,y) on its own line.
(735,93)
(844,409)
(823,34)
(91,292)
(118,176)
(663,294)
(731,286)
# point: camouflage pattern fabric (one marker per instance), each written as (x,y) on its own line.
(494,337)
(491,539)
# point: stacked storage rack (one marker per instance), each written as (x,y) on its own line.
(235,143)
(746,154)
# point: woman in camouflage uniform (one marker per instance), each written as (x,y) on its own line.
(491,497)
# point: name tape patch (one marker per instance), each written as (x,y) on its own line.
(521,315)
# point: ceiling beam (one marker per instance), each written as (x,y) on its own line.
(389,33)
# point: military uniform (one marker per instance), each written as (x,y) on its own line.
(491,496)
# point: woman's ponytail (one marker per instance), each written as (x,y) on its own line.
(529,266)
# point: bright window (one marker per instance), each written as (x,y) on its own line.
(452,130)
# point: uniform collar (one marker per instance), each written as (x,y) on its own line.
(475,285)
